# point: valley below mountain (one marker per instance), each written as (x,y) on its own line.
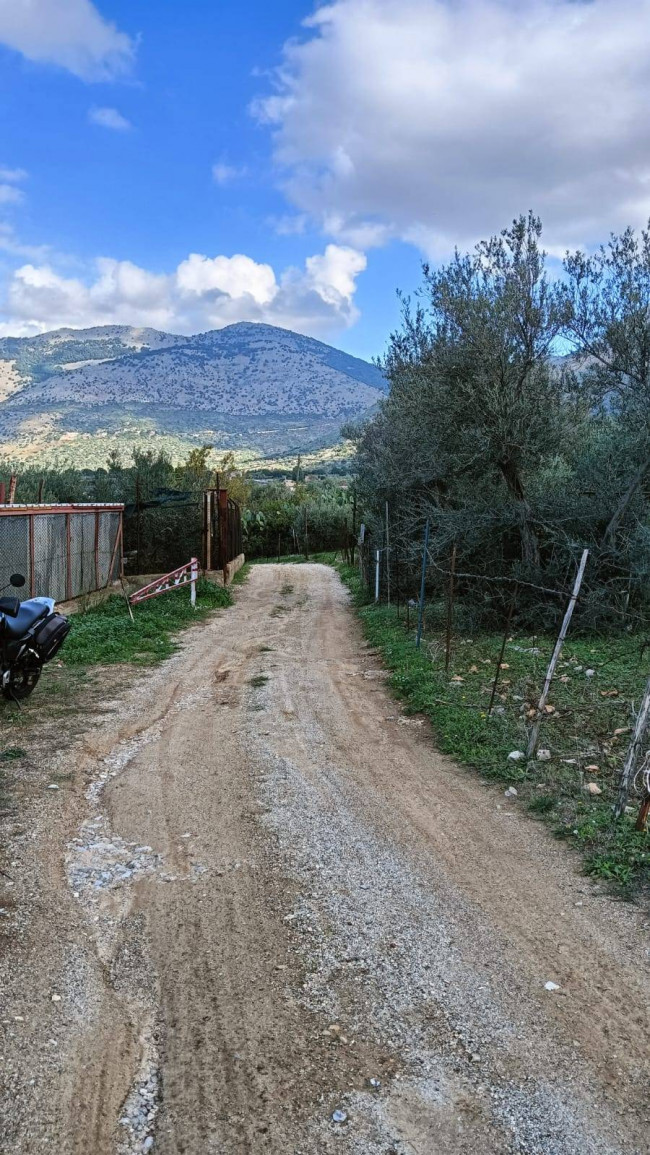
(263,392)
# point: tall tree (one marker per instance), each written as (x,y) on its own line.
(608,321)
(471,381)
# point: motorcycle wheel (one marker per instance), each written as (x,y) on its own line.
(22,680)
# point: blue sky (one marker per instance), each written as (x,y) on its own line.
(146,193)
(187,165)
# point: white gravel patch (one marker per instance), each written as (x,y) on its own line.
(369,923)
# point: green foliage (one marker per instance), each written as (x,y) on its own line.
(286,518)
(519,456)
(105,634)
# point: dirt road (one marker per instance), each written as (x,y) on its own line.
(265,898)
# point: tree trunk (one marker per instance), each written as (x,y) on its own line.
(609,538)
(529,541)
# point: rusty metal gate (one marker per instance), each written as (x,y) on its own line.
(222,529)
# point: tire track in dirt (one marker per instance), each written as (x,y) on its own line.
(327,901)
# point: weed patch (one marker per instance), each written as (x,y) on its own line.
(241,575)
(105,634)
(258,680)
(327,558)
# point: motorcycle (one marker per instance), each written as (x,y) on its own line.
(31,633)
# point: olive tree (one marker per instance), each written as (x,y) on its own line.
(607,297)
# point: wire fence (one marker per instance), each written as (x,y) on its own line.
(427,604)
(63,551)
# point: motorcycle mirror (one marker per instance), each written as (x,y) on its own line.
(17,579)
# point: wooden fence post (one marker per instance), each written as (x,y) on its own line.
(511,611)
(534,734)
(629,769)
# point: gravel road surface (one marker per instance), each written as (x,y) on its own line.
(261,914)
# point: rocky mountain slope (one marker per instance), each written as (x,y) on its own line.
(250,387)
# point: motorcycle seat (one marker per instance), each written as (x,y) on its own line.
(27,615)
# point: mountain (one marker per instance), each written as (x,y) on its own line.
(264,391)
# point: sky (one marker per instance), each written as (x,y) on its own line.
(185,165)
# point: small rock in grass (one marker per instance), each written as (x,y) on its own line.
(511,792)
(543,755)
(589,673)
(516,755)
(593,788)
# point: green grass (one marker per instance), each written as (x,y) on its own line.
(580,732)
(258,680)
(328,557)
(105,634)
(242,574)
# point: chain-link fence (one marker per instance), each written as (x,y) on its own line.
(62,550)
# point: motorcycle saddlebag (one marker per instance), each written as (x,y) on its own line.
(49,635)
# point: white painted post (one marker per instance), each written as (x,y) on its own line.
(534,734)
(194,572)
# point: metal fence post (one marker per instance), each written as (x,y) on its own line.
(422,584)
(223,533)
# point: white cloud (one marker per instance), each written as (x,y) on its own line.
(69,33)
(201,293)
(9,194)
(223,173)
(13,175)
(11,243)
(439,122)
(109,118)
(235,277)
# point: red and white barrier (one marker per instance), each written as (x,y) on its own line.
(185,575)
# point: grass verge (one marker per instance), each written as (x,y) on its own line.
(105,634)
(593,699)
(326,558)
